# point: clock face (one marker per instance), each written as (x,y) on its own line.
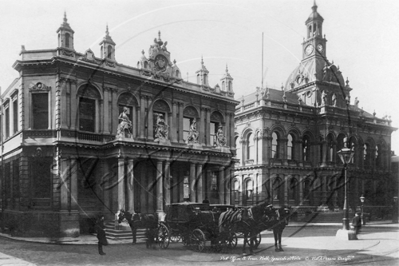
(320,48)
(309,49)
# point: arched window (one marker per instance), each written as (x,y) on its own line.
(278,190)
(366,155)
(293,195)
(275,146)
(306,148)
(238,149)
(352,146)
(306,189)
(236,192)
(330,147)
(258,147)
(249,191)
(67,36)
(250,147)
(290,147)
(88,102)
(109,54)
(377,156)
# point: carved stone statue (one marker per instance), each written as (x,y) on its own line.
(323,98)
(193,134)
(125,127)
(161,129)
(220,138)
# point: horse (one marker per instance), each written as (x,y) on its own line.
(138,220)
(278,224)
(250,221)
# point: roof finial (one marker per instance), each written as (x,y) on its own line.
(65,17)
(202,60)
(159,35)
(314,7)
(227,69)
(106,30)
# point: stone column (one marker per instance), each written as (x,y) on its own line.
(207,128)
(286,188)
(130,184)
(199,183)
(167,183)
(191,182)
(174,124)
(107,118)
(142,121)
(159,189)
(65,183)
(228,178)
(74,184)
(150,125)
(232,140)
(221,185)
(181,140)
(201,139)
(121,184)
(300,190)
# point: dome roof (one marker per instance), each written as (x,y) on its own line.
(314,15)
(312,70)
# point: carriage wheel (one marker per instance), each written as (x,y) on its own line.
(198,239)
(233,240)
(258,239)
(163,236)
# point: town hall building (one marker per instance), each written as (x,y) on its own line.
(85,135)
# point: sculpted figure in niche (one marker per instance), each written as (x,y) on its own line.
(334,100)
(125,127)
(220,138)
(161,129)
(193,134)
(323,98)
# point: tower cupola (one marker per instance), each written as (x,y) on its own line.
(202,75)
(227,82)
(107,47)
(65,35)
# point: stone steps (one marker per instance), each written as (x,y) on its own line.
(122,232)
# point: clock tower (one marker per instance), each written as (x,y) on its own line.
(315,44)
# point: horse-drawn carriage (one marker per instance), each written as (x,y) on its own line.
(200,225)
(195,224)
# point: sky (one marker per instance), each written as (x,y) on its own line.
(363,39)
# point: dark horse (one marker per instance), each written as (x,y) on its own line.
(277,224)
(249,221)
(138,220)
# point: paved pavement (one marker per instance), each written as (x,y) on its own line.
(319,242)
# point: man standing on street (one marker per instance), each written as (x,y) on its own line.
(356,223)
(102,239)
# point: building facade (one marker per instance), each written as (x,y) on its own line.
(84,135)
(287,140)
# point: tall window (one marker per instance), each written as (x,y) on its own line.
(213,129)
(293,189)
(186,127)
(109,55)
(306,189)
(330,144)
(250,147)
(87,114)
(275,146)
(40,111)
(236,192)
(15,115)
(249,191)
(7,122)
(365,155)
(67,39)
(306,148)
(377,156)
(290,147)
(238,149)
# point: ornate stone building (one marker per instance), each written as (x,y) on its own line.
(84,135)
(287,140)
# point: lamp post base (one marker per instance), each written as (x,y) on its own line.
(343,234)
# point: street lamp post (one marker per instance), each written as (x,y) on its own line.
(362,212)
(345,233)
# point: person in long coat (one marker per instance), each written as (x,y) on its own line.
(356,223)
(101,236)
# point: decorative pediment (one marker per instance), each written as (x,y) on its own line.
(39,86)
